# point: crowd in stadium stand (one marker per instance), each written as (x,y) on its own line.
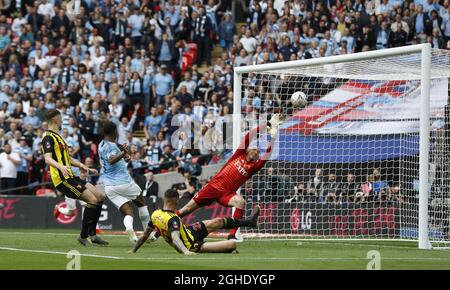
(138,63)
(277,185)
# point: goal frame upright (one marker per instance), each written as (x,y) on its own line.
(424,134)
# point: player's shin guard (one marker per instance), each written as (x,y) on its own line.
(89,219)
(93,226)
(238,214)
(144,215)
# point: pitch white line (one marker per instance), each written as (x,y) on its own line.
(53,234)
(359,245)
(57,253)
(221,257)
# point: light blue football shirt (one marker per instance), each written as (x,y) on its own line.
(112,174)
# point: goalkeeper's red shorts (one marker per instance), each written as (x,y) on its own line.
(209,194)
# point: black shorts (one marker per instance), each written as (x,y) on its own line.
(199,232)
(72,187)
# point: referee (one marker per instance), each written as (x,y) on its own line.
(57,157)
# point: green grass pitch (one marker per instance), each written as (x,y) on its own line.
(47,249)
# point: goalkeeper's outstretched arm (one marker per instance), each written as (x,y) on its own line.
(275,122)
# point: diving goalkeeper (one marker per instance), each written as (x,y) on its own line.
(240,167)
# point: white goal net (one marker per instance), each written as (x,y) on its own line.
(347,165)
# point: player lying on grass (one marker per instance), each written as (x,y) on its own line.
(239,168)
(119,186)
(189,240)
(60,162)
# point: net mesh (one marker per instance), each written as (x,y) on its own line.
(347,165)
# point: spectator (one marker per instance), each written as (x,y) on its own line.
(189,84)
(32,119)
(167,52)
(202,28)
(153,124)
(136,90)
(131,140)
(136,23)
(163,85)
(383,36)
(315,186)
(26,157)
(168,161)
(380,187)
(189,187)
(421,24)
(184,96)
(331,189)
(202,91)
(395,193)
(92,179)
(161,140)
(227,29)
(9,163)
(299,194)
(186,163)
(151,187)
(153,155)
(126,126)
(349,189)
(445,26)
(248,42)
(398,38)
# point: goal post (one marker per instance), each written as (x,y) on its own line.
(424,138)
(369,114)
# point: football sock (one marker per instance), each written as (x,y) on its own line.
(231,223)
(128,223)
(238,214)
(64,210)
(93,226)
(88,219)
(144,215)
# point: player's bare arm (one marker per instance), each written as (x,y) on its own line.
(116,158)
(142,239)
(80,165)
(65,170)
(176,241)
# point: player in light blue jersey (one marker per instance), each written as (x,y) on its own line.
(119,186)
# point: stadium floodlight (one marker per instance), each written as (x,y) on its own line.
(379,115)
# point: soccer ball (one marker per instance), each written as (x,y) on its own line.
(299,100)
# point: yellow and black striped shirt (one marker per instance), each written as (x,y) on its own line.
(53,143)
(166,222)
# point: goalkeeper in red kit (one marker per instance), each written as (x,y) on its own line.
(245,162)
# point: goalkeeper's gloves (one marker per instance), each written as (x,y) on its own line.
(275,122)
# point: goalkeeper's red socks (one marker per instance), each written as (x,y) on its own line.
(238,214)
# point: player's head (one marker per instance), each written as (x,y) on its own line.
(53,118)
(171,197)
(110,130)
(252,152)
